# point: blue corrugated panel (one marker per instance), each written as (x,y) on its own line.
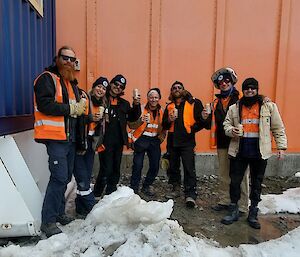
(27,46)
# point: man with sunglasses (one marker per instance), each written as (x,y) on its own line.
(119,113)
(224,80)
(250,123)
(182,118)
(57,105)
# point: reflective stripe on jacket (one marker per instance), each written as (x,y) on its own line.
(269,122)
(151,129)
(250,121)
(47,126)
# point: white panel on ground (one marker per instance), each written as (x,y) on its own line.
(20,198)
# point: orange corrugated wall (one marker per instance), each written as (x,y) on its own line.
(153,43)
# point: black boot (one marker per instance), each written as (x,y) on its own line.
(148,191)
(50,229)
(64,219)
(233,214)
(252,217)
(175,192)
(220,207)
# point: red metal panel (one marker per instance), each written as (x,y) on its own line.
(251,40)
(291,76)
(187,50)
(123,42)
(154,43)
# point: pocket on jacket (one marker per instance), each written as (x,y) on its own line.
(266,119)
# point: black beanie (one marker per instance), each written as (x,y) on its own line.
(119,78)
(250,82)
(155,89)
(177,83)
(101,81)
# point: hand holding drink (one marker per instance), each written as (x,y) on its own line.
(238,131)
(146,117)
(135,93)
(101,111)
(173,114)
(206,111)
(208,108)
(136,96)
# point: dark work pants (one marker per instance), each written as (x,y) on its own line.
(238,167)
(109,174)
(151,146)
(61,165)
(85,199)
(187,156)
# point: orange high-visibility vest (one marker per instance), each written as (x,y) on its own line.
(188,116)
(250,121)
(92,125)
(213,128)
(48,126)
(148,129)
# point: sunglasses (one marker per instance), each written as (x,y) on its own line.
(67,58)
(176,87)
(119,85)
(250,87)
(224,80)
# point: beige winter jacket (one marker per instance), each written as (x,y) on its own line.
(269,121)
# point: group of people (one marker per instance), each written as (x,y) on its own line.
(74,125)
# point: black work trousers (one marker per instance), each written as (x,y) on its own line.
(238,167)
(187,156)
(109,174)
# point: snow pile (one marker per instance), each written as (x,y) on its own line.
(297,174)
(289,201)
(125,207)
(123,225)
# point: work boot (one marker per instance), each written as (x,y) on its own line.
(175,192)
(64,219)
(80,216)
(190,202)
(252,217)
(233,214)
(135,189)
(148,191)
(220,207)
(50,229)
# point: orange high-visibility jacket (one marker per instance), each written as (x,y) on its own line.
(250,121)
(152,129)
(48,126)
(188,116)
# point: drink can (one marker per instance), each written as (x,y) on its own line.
(241,130)
(101,111)
(208,108)
(147,117)
(135,93)
(175,113)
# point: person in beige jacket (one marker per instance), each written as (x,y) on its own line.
(250,122)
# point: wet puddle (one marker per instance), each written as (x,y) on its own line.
(272,227)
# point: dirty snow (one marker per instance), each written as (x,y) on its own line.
(122,224)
